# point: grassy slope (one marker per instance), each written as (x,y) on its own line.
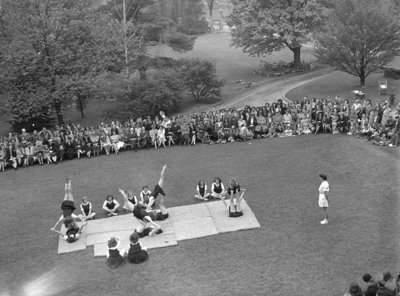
(290,255)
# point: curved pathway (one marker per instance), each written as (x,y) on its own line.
(271,92)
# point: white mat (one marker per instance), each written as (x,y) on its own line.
(224,223)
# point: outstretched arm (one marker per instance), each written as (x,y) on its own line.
(59,220)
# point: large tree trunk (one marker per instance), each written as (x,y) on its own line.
(142,72)
(362,76)
(57,107)
(296,57)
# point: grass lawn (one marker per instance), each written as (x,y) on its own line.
(291,254)
(341,84)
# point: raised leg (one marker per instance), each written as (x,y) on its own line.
(68,189)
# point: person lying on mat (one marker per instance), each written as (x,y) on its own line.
(158,189)
(110,206)
(234,207)
(86,209)
(136,254)
(146,218)
(115,255)
(73,230)
(130,197)
(217,189)
(201,191)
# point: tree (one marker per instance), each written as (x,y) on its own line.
(161,92)
(50,46)
(200,77)
(262,26)
(359,37)
(210,4)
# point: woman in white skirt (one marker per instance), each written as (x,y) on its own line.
(323,197)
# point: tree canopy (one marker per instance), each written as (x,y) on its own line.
(262,26)
(359,37)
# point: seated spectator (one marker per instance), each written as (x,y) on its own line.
(105,143)
(130,197)
(372,287)
(115,255)
(136,254)
(161,136)
(86,209)
(201,191)
(217,189)
(110,206)
(145,195)
(354,290)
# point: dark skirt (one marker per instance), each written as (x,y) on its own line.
(67,207)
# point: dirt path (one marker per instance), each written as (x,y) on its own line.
(272,91)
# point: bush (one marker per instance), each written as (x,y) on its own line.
(148,97)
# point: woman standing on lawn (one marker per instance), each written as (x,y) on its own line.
(323,197)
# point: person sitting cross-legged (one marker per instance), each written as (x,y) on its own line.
(110,206)
(86,209)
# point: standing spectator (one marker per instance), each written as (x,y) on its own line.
(323,197)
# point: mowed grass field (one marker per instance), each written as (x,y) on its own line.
(291,254)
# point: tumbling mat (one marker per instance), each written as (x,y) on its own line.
(121,222)
(66,247)
(224,223)
(165,239)
(192,221)
(190,212)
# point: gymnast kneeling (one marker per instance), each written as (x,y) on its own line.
(235,199)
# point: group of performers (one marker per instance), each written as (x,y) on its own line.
(142,211)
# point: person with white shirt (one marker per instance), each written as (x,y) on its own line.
(323,197)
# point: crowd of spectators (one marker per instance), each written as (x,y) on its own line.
(378,123)
(385,284)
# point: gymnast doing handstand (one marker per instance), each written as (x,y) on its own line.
(69,219)
(234,207)
(145,216)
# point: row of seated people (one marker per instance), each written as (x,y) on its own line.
(379,123)
(384,285)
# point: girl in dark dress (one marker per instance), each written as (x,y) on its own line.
(69,219)
(201,191)
(137,254)
(115,256)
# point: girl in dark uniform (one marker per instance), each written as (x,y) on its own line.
(145,195)
(110,206)
(115,257)
(137,254)
(86,209)
(67,216)
(201,189)
(73,230)
(234,207)
(129,200)
(217,189)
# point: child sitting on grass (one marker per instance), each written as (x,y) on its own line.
(115,257)
(136,254)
